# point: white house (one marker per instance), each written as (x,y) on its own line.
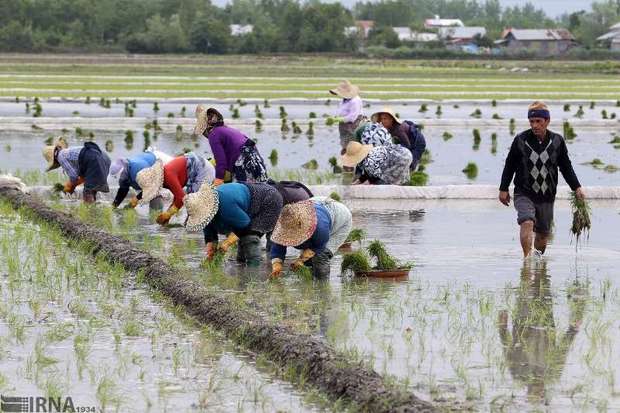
(241,29)
(405,34)
(437,23)
(461,34)
(612,36)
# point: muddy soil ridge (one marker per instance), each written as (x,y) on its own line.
(308,355)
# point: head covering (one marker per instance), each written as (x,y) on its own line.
(117,167)
(345,90)
(151,181)
(165,158)
(538,110)
(296,224)
(375,116)
(201,207)
(50,152)
(355,153)
(207,119)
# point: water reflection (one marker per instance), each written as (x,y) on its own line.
(536,350)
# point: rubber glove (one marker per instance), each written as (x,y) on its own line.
(276,268)
(133,202)
(218,182)
(303,257)
(228,242)
(210,250)
(164,217)
(68,188)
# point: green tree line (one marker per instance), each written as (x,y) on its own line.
(288,26)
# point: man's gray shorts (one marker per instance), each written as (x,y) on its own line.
(541,213)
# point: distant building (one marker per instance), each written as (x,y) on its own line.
(241,29)
(547,42)
(361,28)
(611,38)
(438,23)
(461,35)
(405,34)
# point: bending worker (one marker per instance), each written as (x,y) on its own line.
(182,175)
(242,211)
(317,227)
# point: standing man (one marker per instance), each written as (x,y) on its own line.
(533,160)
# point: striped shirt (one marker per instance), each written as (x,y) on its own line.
(68,160)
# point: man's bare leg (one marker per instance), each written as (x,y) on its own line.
(540,242)
(526,236)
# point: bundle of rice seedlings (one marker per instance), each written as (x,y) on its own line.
(418,178)
(58,187)
(471,170)
(447,136)
(303,272)
(335,196)
(385,261)
(356,235)
(581,218)
(355,262)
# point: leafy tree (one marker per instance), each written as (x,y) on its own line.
(383,36)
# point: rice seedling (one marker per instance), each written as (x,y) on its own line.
(273,157)
(155,107)
(109,146)
(596,163)
(418,178)
(569,132)
(266,103)
(311,164)
(170,115)
(7,148)
(581,218)
(615,140)
(79,132)
(423,108)
(355,262)
(477,139)
(447,136)
(494,103)
(235,113)
(284,127)
(592,105)
(258,125)
(471,170)
(283,114)
(333,161)
(580,112)
(496,116)
(493,143)
(512,126)
(376,249)
(296,129)
(356,235)
(438,112)
(613,115)
(477,113)
(312,115)
(75,113)
(604,114)
(310,131)
(610,168)
(257,112)
(566,107)
(335,196)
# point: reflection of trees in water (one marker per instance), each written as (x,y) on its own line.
(535,350)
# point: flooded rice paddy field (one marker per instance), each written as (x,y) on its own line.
(450,136)
(78,327)
(473,322)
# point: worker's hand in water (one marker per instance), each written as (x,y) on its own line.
(68,188)
(504,197)
(133,202)
(218,182)
(303,257)
(210,250)
(297,264)
(580,194)
(164,217)
(276,268)
(228,242)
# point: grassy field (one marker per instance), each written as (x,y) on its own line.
(301,77)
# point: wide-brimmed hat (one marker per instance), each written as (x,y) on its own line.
(296,224)
(345,90)
(375,116)
(204,117)
(355,153)
(151,180)
(49,152)
(201,207)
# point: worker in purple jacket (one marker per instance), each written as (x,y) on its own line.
(233,152)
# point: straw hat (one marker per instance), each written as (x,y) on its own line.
(201,207)
(296,224)
(345,90)
(50,150)
(204,117)
(151,180)
(355,153)
(389,111)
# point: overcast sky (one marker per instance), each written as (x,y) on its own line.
(553,8)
